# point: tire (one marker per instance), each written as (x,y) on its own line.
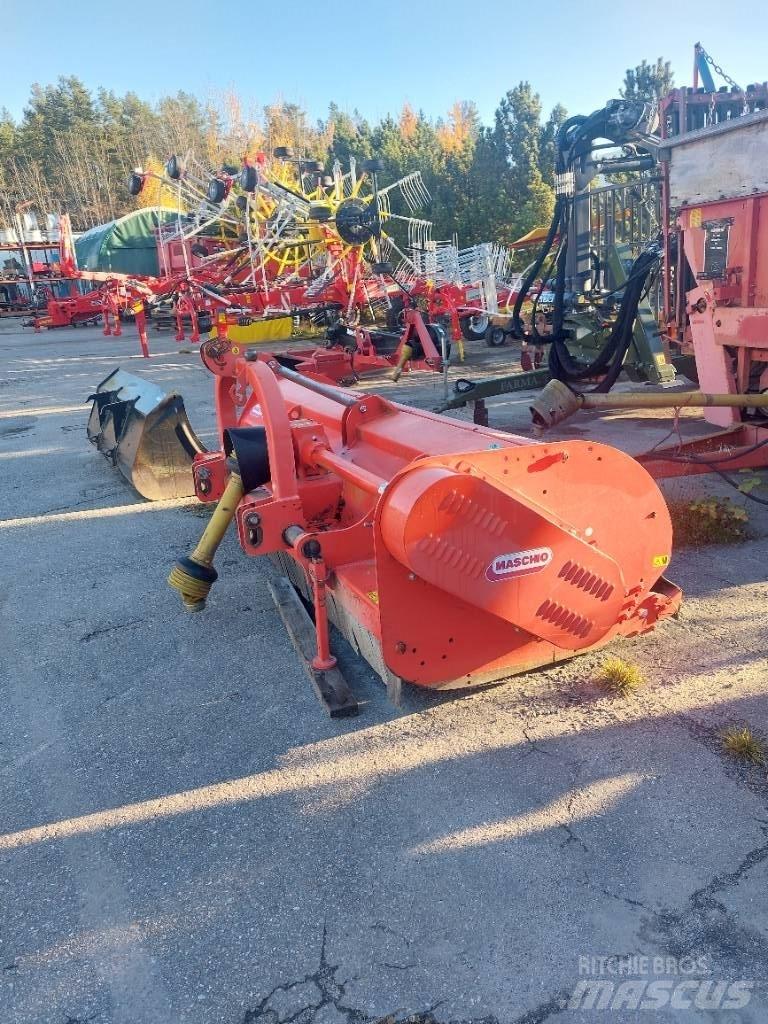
(217,190)
(395,313)
(473,327)
(312,167)
(495,337)
(174,168)
(283,153)
(135,183)
(249,179)
(356,221)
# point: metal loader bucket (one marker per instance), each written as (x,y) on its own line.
(146,434)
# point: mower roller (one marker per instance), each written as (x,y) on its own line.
(145,433)
(448,554)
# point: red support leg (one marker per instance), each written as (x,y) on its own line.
(323,660)
(141,327)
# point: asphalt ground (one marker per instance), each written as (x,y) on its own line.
(186,837)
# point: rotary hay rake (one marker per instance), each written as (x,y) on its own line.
(290,238)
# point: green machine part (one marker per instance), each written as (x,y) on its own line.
(645,361)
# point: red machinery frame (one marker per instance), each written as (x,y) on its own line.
(378,512)
(716,289)
(335,363)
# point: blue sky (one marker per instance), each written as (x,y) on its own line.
(374,57)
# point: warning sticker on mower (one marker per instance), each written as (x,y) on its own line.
(518,563)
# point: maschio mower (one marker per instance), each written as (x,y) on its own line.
(448,554)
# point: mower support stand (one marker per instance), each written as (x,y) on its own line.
(329,684)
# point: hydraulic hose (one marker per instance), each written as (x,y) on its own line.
(561,206)
(574,140)
(610,358)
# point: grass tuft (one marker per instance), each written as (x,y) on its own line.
(708,521)
(618,677)
(744,745)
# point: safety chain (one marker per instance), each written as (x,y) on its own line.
(719,70)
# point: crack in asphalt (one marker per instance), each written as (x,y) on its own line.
(728,879)
(705,924)
(381,927)
(15,431)
(74,506)
(87,637)
(331,993)
(556,1004)
(623,899)
(572,838)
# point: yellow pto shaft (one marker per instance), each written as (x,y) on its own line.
(556,402)
(193,577)
(406,353)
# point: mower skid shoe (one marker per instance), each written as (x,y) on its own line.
(146,434)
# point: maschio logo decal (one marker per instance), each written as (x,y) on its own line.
(518,563)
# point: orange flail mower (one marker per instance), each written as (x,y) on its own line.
(449,554)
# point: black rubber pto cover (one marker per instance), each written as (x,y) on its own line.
(249,445)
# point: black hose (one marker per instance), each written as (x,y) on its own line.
(525,287)
(610,358)
(574,139)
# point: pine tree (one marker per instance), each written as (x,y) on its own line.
(529,200)
(648,81)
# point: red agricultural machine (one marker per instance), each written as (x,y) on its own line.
(353,352)
(378,512)
(660,274)
(289,241)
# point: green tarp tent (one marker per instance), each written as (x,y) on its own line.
(126,245)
